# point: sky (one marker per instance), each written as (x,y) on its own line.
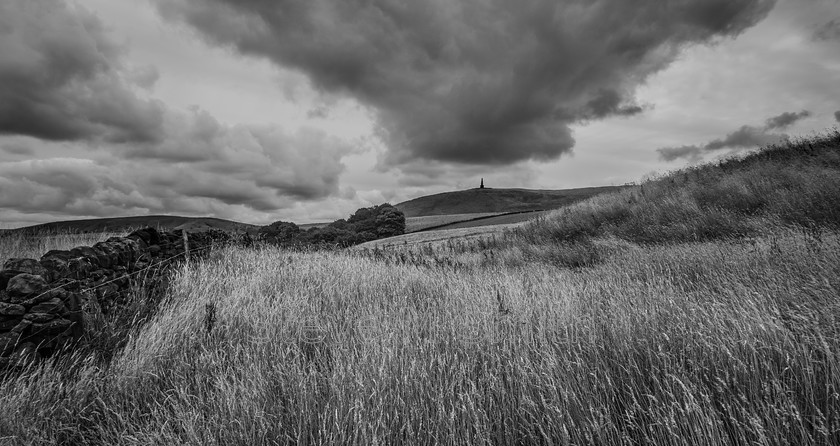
(306,110)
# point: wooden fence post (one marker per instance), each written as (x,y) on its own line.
(186,247)
(186,256)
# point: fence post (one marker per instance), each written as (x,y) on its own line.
(186,246)
(186,256)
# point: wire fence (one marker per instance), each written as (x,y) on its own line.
(185,253)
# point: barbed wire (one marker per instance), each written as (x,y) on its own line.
(125,276)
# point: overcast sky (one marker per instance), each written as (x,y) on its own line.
(305,110)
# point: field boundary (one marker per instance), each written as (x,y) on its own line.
(503,214)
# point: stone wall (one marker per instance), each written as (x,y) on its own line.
(43,302)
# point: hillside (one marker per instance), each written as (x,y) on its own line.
(790,185)
(124,224)
(496,200)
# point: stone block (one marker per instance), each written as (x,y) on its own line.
(24,286)
(149,235)
(88,253)
(6,275)
(80,267)
(54,305)
(7,309)
(106,254)
(40,318)
(30,266)
(56,259)
(43,297)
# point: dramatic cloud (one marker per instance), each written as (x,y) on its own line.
(251,170)
(479,82)
(304,165)
(785,120)
(746,137)
(60,77)
(104,151)
(828,31)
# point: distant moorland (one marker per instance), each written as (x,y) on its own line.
(490,200)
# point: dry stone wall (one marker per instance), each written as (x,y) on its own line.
(43,302)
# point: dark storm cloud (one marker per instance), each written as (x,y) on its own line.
(609,102)
(785,120)
(828,31)
(60,77)
(745,137)
(473,81)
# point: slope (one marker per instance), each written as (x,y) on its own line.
(497,200)
(121,224)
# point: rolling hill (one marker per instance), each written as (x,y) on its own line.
(497,200)
(120,224)
(470,204)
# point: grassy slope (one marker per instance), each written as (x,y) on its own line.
(496,200)
(414,224)
(671,327)
(782,185)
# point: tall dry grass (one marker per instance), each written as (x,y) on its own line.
(700,343)
(797,183)
(20,244)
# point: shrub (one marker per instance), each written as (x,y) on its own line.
(280,232)
(364,225)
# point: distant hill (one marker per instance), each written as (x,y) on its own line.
(497,200)
(125,224)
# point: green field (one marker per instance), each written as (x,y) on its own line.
(699,308)
(414,224)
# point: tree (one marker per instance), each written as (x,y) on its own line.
(364,225)
(280,232)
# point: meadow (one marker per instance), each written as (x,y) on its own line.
(702,307)
(414,224)
(15,244)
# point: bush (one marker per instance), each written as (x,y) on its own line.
(280,232)
(364,225)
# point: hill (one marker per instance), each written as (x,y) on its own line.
(124,224)
(488,200)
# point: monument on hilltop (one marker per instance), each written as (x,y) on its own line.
(482,184)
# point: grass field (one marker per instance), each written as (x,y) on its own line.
(414,224)
(14,244)
(700,308)
(436,237)
(506,219)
